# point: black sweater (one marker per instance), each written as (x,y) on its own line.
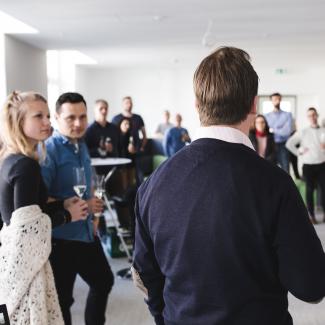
(21,184)
(221,236)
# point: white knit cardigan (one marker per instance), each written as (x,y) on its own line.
(26,279)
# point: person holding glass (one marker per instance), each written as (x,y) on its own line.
(176,137)
(23,195)
(312,153)
(76,247)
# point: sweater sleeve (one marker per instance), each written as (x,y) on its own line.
(292,143)
(301,259)
(147,269)
(25,178)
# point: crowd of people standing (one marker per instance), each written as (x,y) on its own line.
(37,180)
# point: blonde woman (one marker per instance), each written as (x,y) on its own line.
(26,280)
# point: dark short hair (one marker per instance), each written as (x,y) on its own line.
(312,109)
(72,98)
(101,101)
(127,98)
(275,95)
(225,85)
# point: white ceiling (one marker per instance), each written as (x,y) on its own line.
(171,32)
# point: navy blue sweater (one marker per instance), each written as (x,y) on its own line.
(221,236)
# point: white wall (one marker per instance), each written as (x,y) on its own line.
(154,90)
(306,82)
(25,66)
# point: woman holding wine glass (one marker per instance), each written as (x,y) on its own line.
(25,210)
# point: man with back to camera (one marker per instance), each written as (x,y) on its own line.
(76,248)
(311,141)
(281,125)
(222,235)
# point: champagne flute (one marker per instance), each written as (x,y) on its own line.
(79,184)
(99,189)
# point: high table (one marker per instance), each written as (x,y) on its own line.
(114,163)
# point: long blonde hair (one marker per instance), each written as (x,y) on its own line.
(13,138)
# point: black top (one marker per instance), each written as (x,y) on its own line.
(221,236)
(96,133)
(136,124)
(270,154)
(21,184)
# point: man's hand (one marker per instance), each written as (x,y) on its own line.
(95,225)
(131,149)
(302,150)
(77,208)
(95,205)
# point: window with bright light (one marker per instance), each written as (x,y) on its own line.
(288,104)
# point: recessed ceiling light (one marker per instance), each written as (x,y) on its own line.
(11,25)
(158,18)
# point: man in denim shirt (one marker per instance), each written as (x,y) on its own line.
(76,248)
(280,123)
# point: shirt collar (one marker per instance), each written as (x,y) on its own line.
(63,138)
(224,133)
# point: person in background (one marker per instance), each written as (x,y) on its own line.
(311,151)
(102,140)
(165,126)
(136,124)
(127,149)
(221,234)
(280,123)
(76,246)
(262,139)
(176,138)
(25,125)
(101,136)
(136,127)
(293,159)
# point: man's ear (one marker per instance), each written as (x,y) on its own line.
(254,106)
(196,104)
(56,116)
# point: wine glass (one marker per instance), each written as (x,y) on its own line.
(99,188)
(79,183)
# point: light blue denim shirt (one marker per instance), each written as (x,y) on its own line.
(57,171)
(173,140)
(281,123)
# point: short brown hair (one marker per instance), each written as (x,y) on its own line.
(127,98)
(102,101)
(275,95)
(225,85)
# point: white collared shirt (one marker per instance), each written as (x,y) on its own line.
(310,140)
(224,133)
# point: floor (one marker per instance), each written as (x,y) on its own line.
(126,306)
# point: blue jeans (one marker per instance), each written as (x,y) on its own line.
(282,156)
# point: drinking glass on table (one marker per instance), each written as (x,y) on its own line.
(79,181)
